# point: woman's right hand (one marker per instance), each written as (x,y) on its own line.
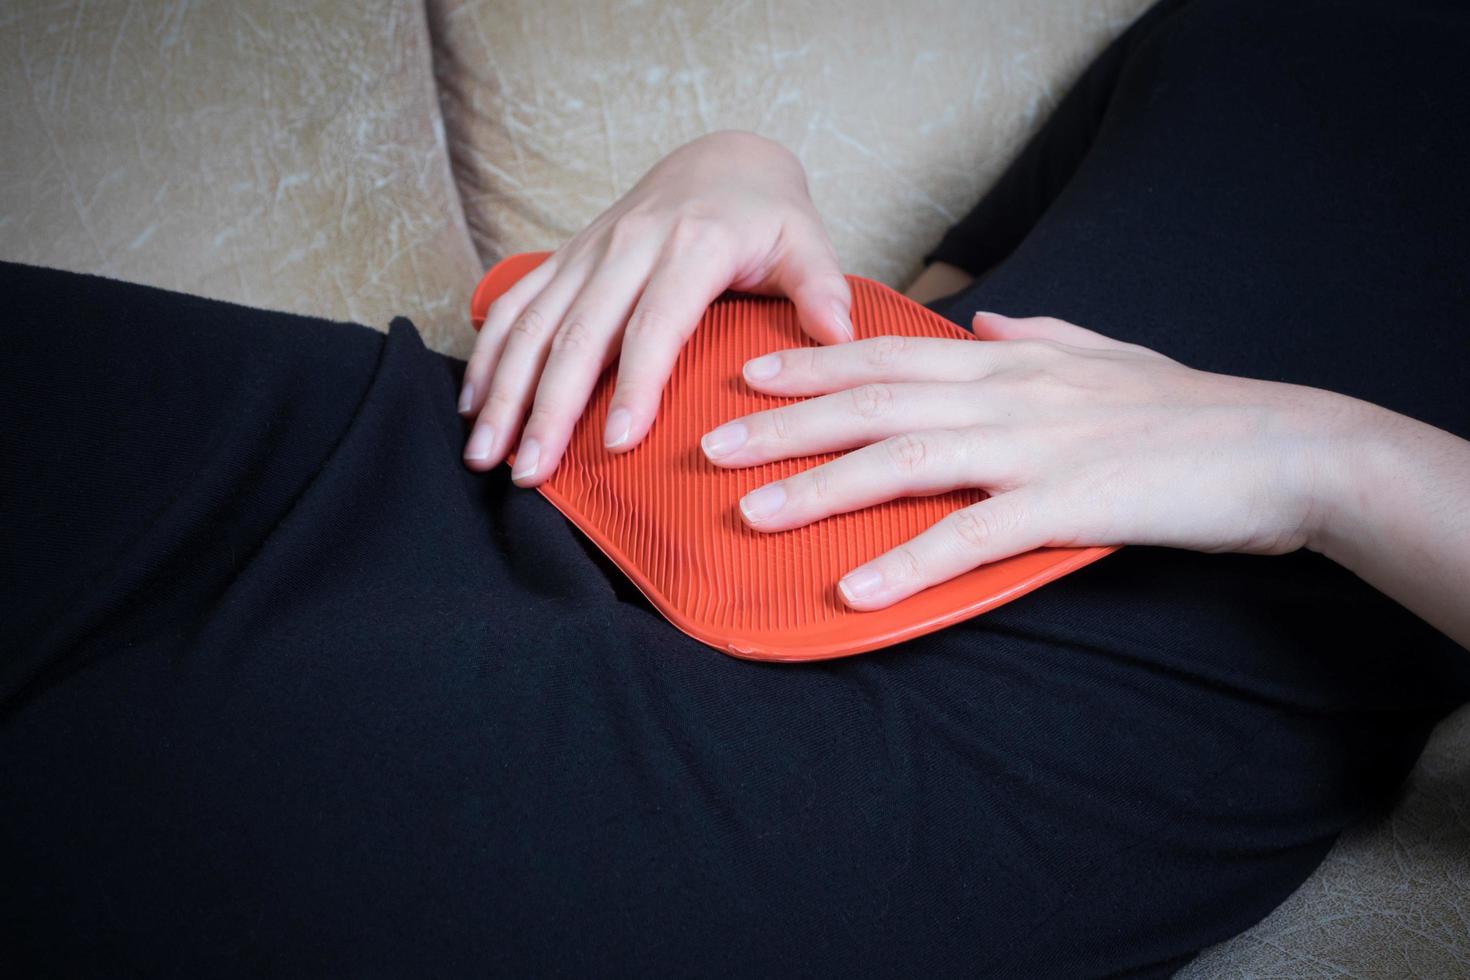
(728,211)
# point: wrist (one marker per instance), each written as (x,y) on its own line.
(1356,462)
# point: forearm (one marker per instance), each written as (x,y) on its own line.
(938,279)
(1396,511)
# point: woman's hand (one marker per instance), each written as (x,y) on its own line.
(727,211)
(1078,438)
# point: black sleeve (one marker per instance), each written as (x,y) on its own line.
(1007,212)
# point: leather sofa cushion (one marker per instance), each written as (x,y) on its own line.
(281,155)
(901,113)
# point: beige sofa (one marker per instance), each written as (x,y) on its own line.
(361,160)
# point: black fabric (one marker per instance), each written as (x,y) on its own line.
(1003,218)
(288,690)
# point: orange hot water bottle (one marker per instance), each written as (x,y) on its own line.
(669,519)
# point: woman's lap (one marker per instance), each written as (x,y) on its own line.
(291,688)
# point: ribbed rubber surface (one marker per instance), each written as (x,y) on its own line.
(669,519)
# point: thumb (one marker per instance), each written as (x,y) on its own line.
(811,279)
(993,326)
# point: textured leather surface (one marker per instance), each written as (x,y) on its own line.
(281,155)
(901,112)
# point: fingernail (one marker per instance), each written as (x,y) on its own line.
(763,368)
(526,459)
(859,583)
(619,421)
(987,313)
(761,504)
(843,320)
(724,440)
(480,441)
(466,398)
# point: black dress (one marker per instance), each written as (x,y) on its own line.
(288,690)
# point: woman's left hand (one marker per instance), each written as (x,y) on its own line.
(1079,440)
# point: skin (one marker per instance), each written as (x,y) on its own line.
(1079,439)
(938,279)
(727,211)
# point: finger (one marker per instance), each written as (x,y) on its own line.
(689,277)
(516,370)
(912,464)
(488,343)
(584,345)
(994,326)
(995,528)
(842,420)
(811,278)
(818,370)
